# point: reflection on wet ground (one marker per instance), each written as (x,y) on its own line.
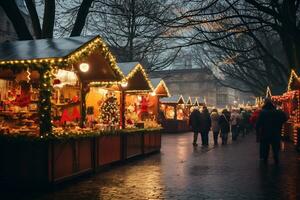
(183,172)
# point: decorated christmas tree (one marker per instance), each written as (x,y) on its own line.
(109,111)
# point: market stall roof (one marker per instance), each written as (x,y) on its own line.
(136,76)
(196,101)
(174,99)
(160,87)
(268,93)
(64,53)
(189,101)
(294,81)
(41,49)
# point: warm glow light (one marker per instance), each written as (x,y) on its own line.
(153,94)
(84,67)
(124,84)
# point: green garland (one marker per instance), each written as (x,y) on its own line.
(70,136)
(45,100)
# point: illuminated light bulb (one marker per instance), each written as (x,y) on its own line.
(153,94)
(84,67)
(124,84)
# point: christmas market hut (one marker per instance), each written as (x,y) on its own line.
(45,137)
(160,90)
(188,106)
(46,80)
(139,110)
(174,111)
(160,87)
(290,104)
(139,103)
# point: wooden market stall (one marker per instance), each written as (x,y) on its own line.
(140,109)
(45,135)
(290,104)
(160,90)
(188,106)
(176,119)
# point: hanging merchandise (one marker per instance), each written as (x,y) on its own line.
(66,77)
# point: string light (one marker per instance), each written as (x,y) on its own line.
(268,93)
(292,77)
(137,68)
(162,84)
(189,101)
(78,55)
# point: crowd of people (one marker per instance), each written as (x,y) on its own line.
(219,123)
(266,121)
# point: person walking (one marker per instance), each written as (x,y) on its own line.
(253,120)
(214,116)
(235,119)
(224,123)
(244,125)
(205,124)
(194,121)
(269,125)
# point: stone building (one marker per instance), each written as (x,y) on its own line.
(202,84)
(7,31)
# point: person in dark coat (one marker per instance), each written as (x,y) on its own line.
(205,124)
(215,125)
(224,123)
(269,125)
(194,121)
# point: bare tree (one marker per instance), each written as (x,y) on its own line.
(48,20)
(127,26)
(253,41)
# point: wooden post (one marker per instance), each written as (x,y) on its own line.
(175,111)
(122,109)
(45,100)
(82,104)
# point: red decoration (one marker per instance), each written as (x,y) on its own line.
(75,114)
(56,81)
(65,117)
(75,99)
(144,105)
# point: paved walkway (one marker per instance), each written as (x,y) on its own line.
(183,172)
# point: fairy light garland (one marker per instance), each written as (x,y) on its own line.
(163,84)
(77,56)
(181,99)
(292,77)
(189,101)
(196,102)
(268,93)
(137,68)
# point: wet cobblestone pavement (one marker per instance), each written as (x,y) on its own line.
(183,172)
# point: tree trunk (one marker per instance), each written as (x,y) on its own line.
(290,34)
(49,19)
(34,18)
(13,13)
(81,17)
